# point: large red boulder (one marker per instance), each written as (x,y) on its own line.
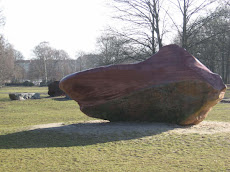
(171,86)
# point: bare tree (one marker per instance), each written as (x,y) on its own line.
(79,62)
(42,53)
(49,63)
(6,61)
(145,23)
(225,2)
(18,55)
(2,18)
(210,41)
(189,10)
(6,56)
(61,66)
(19,71)
(10,71)
(112,50)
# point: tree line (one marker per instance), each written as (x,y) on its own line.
(8,56)
(48,64)
(202,27)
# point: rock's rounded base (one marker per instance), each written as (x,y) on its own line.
(183,103)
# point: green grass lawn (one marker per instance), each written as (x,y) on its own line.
(227,94)
(23,89)
(49,150)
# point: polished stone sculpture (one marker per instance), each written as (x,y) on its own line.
(171,86)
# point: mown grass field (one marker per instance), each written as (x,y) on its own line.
(48,150)
(227,94)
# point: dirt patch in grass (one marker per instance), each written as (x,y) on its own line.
(205,127)
(102,127)
(51,125)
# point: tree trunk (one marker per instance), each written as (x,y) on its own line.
(159,39)
(153,39)
(184,34)
(223,65)
(227,75)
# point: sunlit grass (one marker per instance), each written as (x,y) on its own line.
(23,89)
(220,112)
(46,150)
(161,152)
(227,94)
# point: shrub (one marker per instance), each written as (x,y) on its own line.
(26,83)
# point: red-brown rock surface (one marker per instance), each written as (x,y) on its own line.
(171,86)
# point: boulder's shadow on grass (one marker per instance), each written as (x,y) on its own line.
(61,99)
(81,134)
